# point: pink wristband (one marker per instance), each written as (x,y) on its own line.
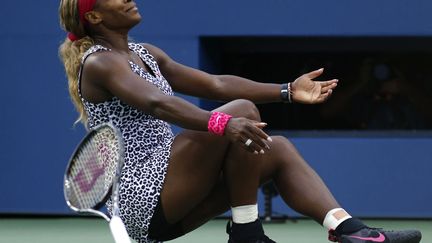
(218,122)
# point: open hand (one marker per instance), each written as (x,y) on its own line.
(307,91)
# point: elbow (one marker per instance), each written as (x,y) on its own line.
(157,106)
(218,90)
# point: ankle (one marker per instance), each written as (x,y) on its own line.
(245,213)
(350,226)
(335,217)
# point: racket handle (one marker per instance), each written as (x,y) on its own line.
(118,230)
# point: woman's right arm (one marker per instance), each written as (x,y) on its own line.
(112,73)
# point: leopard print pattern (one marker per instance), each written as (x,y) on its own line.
(147,143)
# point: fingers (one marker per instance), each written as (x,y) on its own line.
(257,129)
(315,74)
(249,134)
(328,85)
(332,82)
(324,96)
(259,140)
(324,84)
(248,145)
(256,146)
(253,147)
(255,140)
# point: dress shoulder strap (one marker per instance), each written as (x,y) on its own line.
(145,55)
(92,50)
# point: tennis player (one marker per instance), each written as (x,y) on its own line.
(171,185)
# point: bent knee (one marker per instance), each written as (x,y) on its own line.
(283,143)
(287,153)
(246,108)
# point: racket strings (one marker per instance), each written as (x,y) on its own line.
(93,169)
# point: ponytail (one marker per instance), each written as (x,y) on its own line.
(71,54)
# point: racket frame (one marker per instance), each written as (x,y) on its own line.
(114,187)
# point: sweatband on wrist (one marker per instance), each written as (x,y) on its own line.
(218,122)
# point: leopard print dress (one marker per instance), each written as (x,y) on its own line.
(147,143)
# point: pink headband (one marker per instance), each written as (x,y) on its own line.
(84,6)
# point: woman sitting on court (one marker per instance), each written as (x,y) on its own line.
(171,185)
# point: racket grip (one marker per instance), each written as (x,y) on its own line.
(118,230)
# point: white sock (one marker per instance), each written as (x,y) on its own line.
(335,217)
(245,214)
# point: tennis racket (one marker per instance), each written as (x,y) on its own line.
(93,175)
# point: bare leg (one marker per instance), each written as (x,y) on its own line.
(195,192)
(196,164)
(298,184)
(300,187)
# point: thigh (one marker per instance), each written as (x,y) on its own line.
(217,202)
(194,166)
(196,163)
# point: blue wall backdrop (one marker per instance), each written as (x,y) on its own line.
(372,176)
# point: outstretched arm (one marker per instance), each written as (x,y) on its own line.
(194,82)
(111,73)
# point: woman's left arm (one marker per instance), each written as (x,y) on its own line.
(197,83)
